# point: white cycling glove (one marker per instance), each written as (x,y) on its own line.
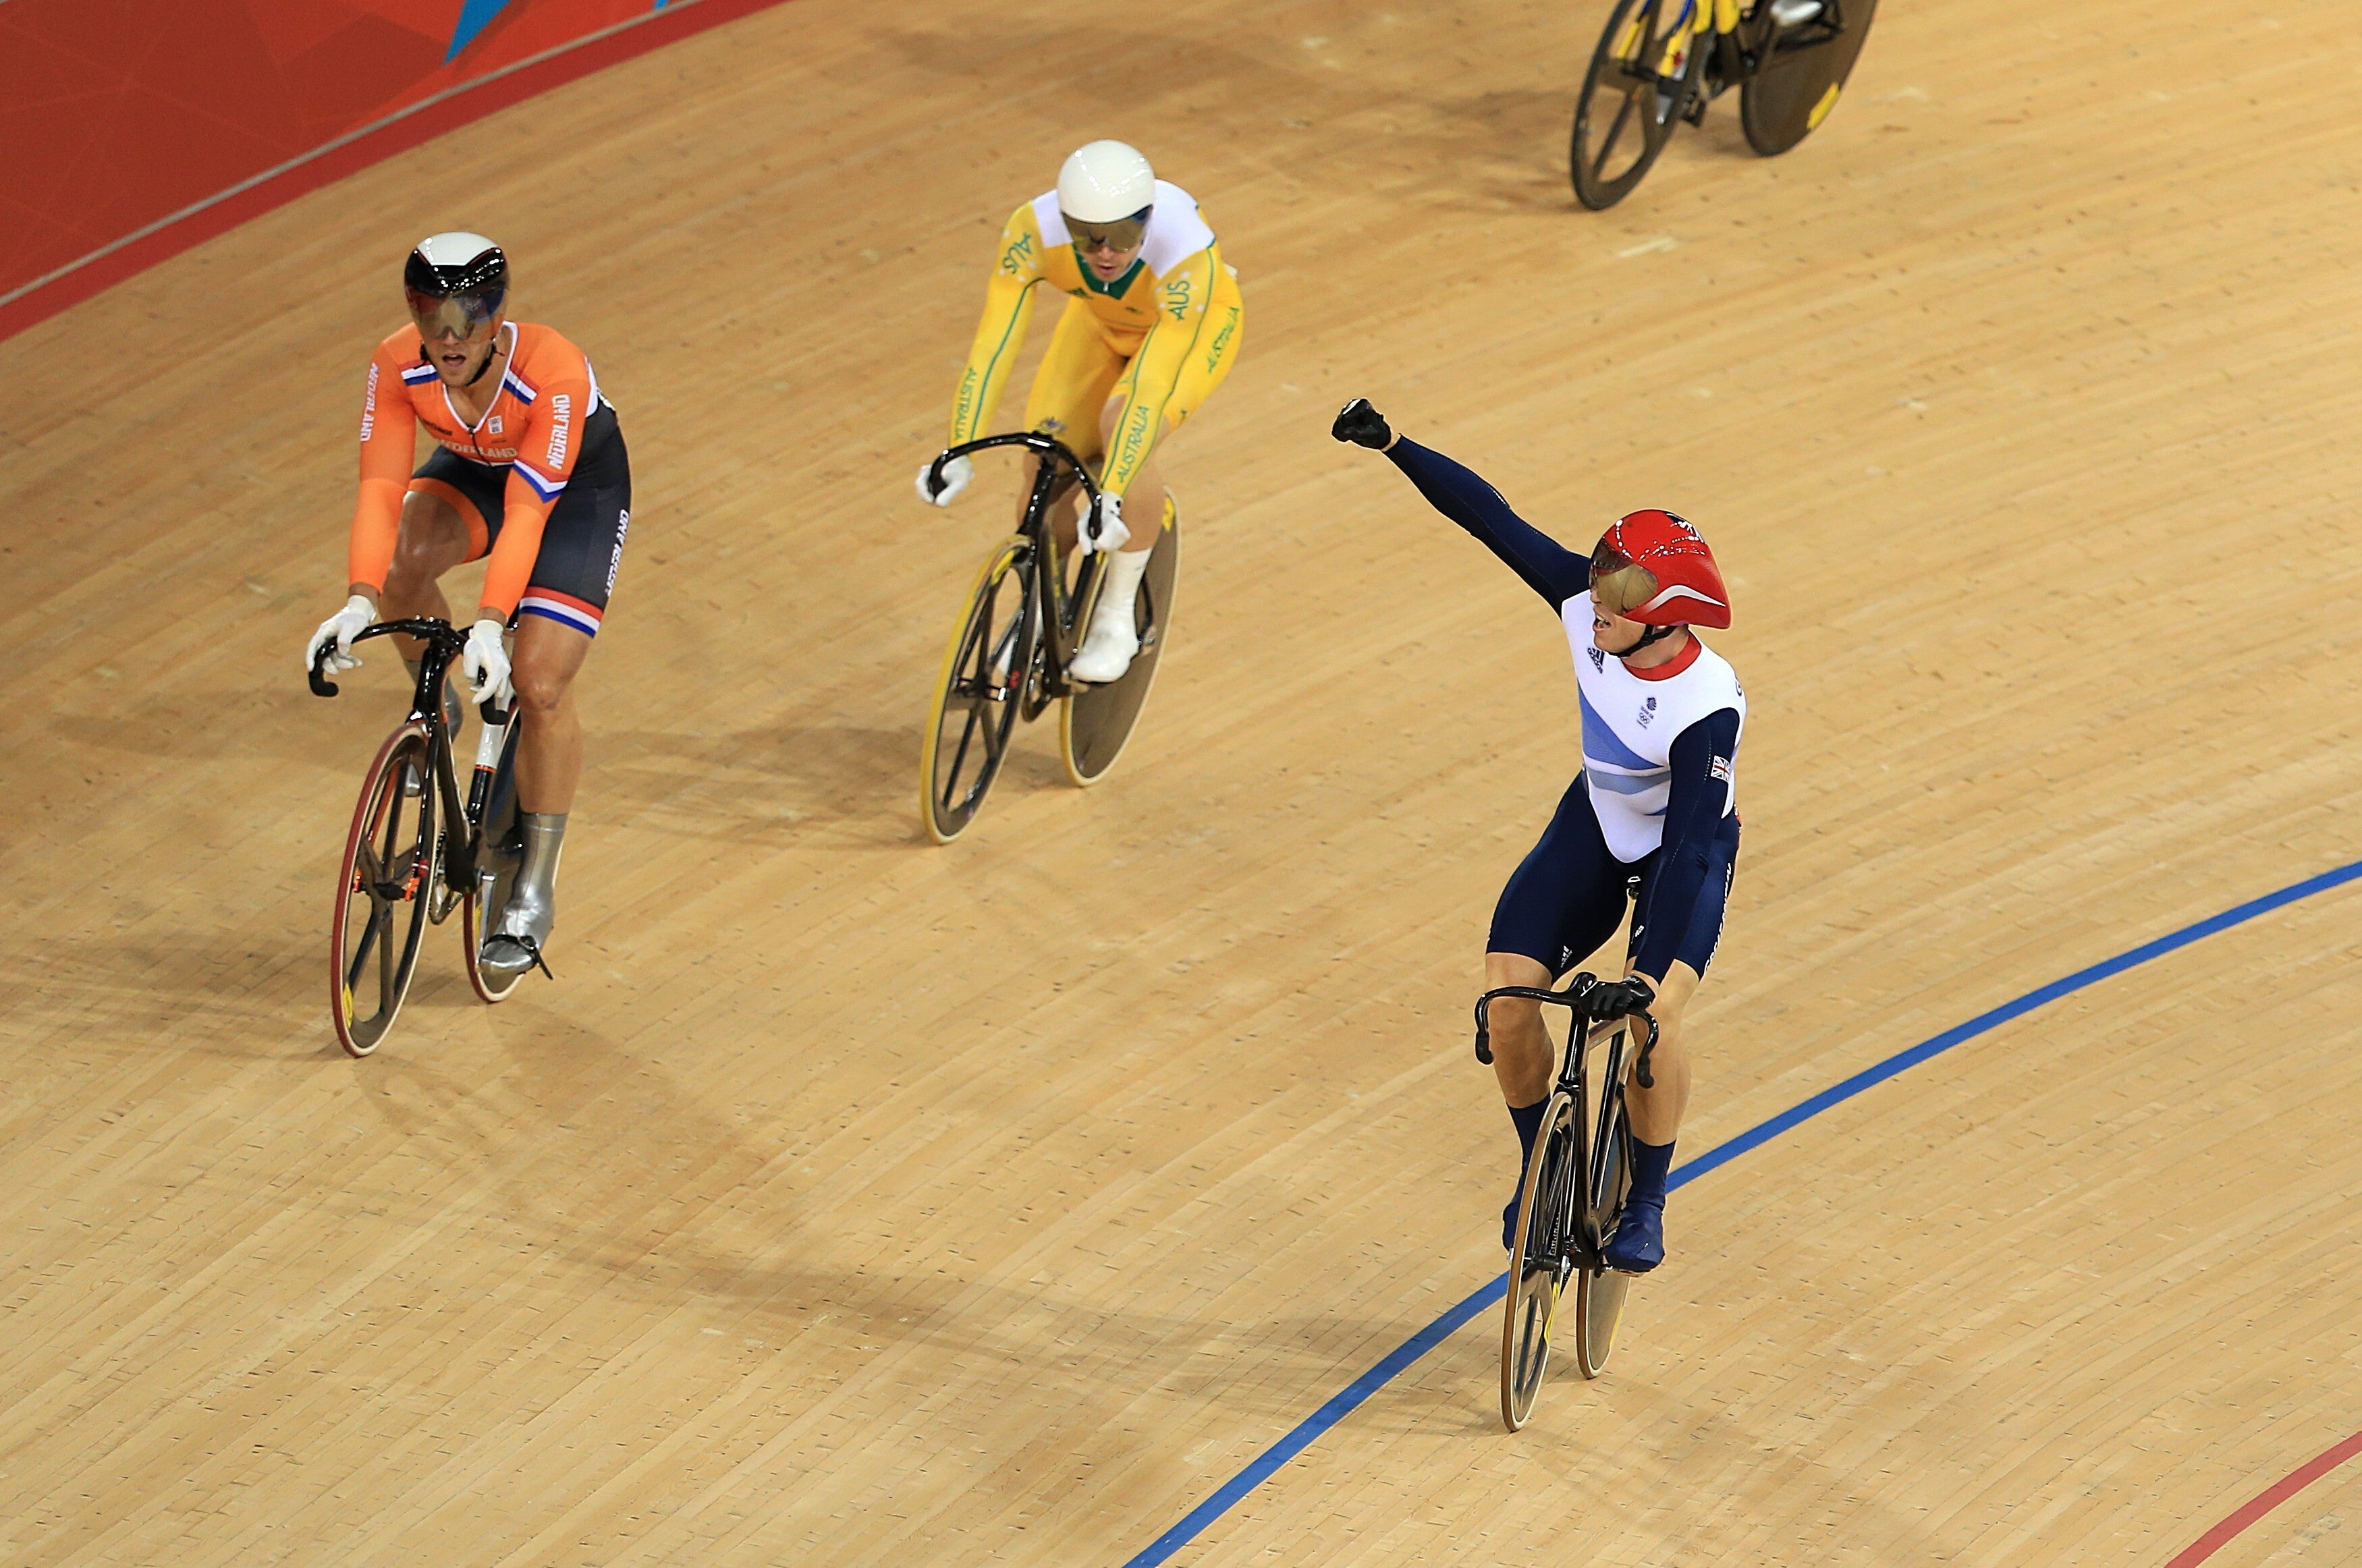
(357,615)
(1103,528)
(957,473)
(485,662)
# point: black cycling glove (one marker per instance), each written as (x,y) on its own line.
(1630,995)
(1364,426)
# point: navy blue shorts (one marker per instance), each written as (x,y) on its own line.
(582,542)
(1565,898)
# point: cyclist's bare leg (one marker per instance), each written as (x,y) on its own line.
(433,540)
(543,659)
(1657,1112)
(1524,1060)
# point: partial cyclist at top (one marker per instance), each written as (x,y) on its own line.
(1151,327)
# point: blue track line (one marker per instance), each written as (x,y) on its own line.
(1302,1435)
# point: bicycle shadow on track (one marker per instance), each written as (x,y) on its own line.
(203,990)
(243,727)
(613,1177)
(1503,151)
(766,786)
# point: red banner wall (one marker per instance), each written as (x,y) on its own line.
(130,129)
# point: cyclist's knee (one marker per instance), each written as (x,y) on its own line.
(1516,970)
(1680,984)
(1514,1021)
(432,541)
(540,690)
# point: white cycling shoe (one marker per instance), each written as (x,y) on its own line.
(1109,647)
(1106,652)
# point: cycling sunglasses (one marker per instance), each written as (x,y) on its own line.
(1119,236)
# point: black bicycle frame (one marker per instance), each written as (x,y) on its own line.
(444,642)
(1064,631)
(1590,1167)
(1574,999)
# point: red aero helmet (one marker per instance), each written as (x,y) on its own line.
(1653,567)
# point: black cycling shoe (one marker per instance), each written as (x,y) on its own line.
(1638,1244)
(1509,1225)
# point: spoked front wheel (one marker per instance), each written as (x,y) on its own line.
(1641,80)
(1801,66)
(390,861)
(986,668)
(1098,720)
(1540,1262)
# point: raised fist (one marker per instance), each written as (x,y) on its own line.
(1364,426)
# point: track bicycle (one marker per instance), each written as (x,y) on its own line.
(416,851)
(1007,658)
(1572,1195)
(1663,61)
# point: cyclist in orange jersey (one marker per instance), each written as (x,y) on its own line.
(530,469)
(1151,327)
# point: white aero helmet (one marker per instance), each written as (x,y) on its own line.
(1104,182)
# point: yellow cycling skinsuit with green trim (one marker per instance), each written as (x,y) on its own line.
(1161,336)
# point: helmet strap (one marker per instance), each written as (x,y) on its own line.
(1652,634)
(493,354)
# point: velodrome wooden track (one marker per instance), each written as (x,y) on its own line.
(847,1201)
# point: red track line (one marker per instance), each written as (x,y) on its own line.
(408,128)
(2270,1498)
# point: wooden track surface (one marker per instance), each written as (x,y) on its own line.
(847,1201)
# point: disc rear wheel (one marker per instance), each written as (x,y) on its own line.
(986,667)
(391,860)
(1639,83)
(1098,720)
(1539,1262)
(1800,70)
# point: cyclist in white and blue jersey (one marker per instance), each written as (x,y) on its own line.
(1652,817)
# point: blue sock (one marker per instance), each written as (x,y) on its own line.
(1650,1164)
(1528,1119)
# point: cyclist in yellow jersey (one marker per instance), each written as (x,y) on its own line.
(1151,327)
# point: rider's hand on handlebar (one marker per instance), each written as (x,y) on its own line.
(485,663)
(1103,527)
(957,473)
(1364,426)
(1629,994)
(357,615)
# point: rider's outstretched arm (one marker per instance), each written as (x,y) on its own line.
(1701,759)
(1007,305)
(1547,566)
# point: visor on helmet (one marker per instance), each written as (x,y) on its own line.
(462,315)
(1118,235)
(1618,585)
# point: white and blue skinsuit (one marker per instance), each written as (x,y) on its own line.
(1655,806)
